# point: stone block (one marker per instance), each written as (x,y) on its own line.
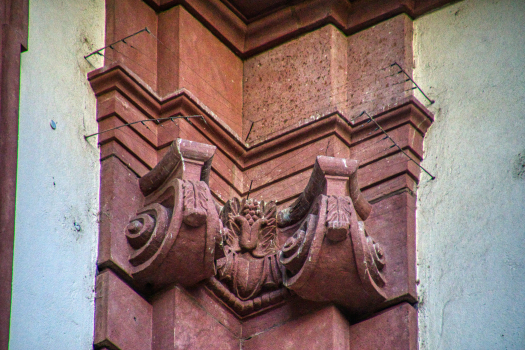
(325,329)
(391,223)
(392,329)
(179,322)
(120,198)
(122,317)
(289,83)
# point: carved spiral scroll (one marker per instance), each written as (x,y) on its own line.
(330,257)
(295,251)
(146,232)
(371,253)
(140,230)
(181,238)
(173,239)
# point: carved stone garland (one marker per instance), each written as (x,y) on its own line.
(182,236)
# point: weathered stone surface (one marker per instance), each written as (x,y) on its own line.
(250,27)
(293,83)
(392,223)
(249,252)
(375,85)
(174,235)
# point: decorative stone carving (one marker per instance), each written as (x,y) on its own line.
(173,237)
(180,236)
(329,256)
(250,269)
(250,263)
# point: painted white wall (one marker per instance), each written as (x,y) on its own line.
(470,57)
(58,180)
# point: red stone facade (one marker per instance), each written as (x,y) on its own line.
(283,218)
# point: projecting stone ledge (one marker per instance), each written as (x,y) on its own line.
(248,264)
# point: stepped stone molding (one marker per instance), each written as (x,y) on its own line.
(247,35)
(124,98)
(138,250)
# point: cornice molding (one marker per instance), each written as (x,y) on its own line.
(247,37)
(117,89)
(117,77)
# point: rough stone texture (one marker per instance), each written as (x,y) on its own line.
(58,180)
(469,57)
(373,85)
(325,71)
(294,81)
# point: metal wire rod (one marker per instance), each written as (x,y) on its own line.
(249,132)
(248,196)
(396,145)
(116,42)
(413,82)
(148,120)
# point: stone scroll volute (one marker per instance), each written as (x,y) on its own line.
(173,237)
(329,256)
(181,236)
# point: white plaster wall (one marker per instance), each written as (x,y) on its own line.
(470,57)
(58,180)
